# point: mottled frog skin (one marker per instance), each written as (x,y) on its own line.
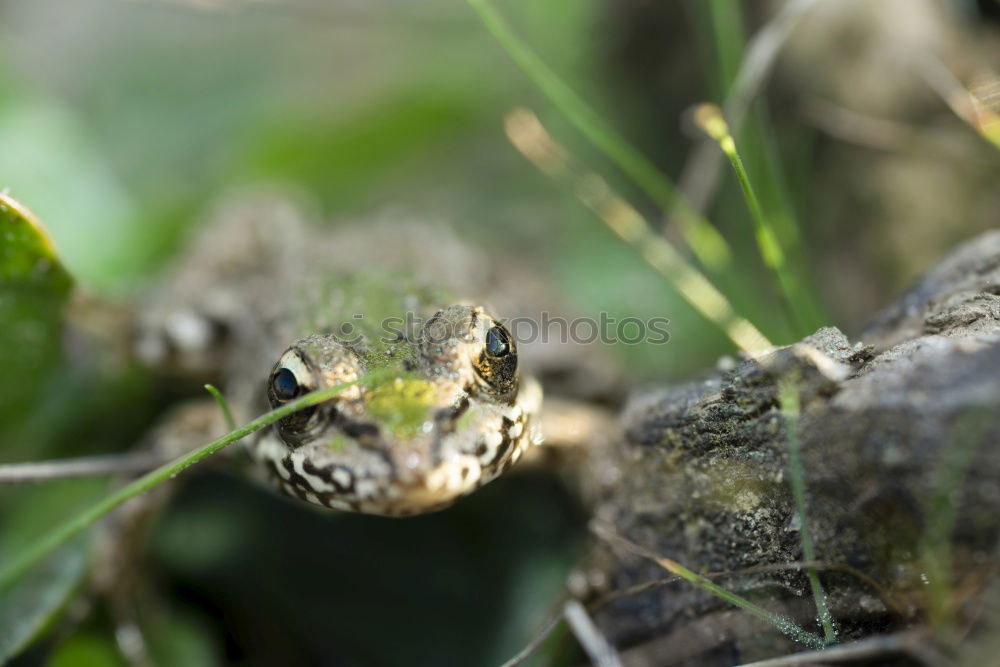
(272,307)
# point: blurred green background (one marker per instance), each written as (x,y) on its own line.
(122,121)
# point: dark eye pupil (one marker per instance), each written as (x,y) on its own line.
(284,384)
(496,342)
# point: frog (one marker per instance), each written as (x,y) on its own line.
(406,317)
(402,445)
(439,396)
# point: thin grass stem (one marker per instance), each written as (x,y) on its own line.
(529,136)
(699,177)
(788,397)
(223,405)
(705,241)
(783,624)
(62,533)
(709,118)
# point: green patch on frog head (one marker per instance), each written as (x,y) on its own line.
(373,305)
(337,443)
(401,405)
(379,314)
(383,354)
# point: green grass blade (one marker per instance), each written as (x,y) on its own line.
(529,136)
(727,28)
(62,533)
(740,68)
(706,243)
(788,398)
(783,624)
(709,117)
(223,405)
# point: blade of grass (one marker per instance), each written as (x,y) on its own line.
(739,75)
(883,594)
(751,126)
(62,533)
(223,405)
(783,624)
(709,118)
(727,26)
(788,398)
(700,175)
(707,244)
(528,135)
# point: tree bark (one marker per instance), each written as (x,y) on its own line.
(900,444)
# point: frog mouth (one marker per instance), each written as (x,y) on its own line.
(330,420)
(404,481)
(361,466)
(322,419)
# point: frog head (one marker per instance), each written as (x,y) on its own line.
(425,421)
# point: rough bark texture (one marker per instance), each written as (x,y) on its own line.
(899,434)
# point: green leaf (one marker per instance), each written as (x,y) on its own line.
(26,255)
(28,606)
(34,288)
(34,600)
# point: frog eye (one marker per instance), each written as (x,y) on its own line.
(496,365)
(290,378)
(284,386)
(498,342)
